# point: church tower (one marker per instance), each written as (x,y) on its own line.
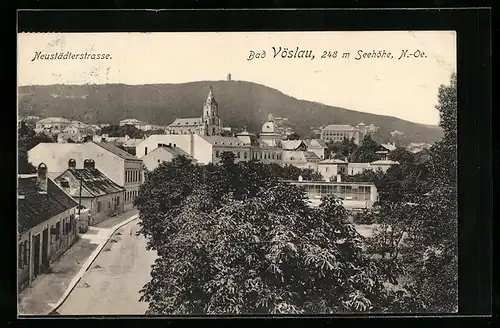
(211,123)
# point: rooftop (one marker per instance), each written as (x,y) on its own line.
(332,161)
(94,182)
(36,208)
(117,151)
(189,121)
(226,141)
(384,162)
(176,151)
(339,127)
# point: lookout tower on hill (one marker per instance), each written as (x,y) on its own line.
(229,76)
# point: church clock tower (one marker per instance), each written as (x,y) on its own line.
(211,123)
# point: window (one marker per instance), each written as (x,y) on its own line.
(25,252)
(117,201)
(217,153)
(58,230)
(245,155)
(98,207)
(145,150)
(238,155)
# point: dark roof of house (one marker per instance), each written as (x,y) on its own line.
(117,151)
(36,208)
(94,183)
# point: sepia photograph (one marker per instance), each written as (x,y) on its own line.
(237,173)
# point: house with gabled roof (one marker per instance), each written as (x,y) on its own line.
(97,193)
(46,224)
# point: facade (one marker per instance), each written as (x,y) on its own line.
(418,147)
(121,167)
(209,124)
(382,165)
(95,191)
(338,132)
(331,168)
(354,195)
(52,124)
(163,154)
(46,223)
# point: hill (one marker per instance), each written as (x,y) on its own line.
(240,104)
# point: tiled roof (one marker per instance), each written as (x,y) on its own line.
(339,127)
(291,144)
(358,165)
(132,142)
(117,151)
(388,146)
(226,141)
(332,161)
(175,151)
(94,183)
(190,121)
(36,208)
(51,120)
(311,157)
(384,162)
(315,143)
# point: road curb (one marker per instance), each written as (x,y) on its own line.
(85,267)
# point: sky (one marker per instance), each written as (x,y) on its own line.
(405,88)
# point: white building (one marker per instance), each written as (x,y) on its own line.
(382,165)
(163,154)
(339,132)
(331,168)
(269,133)
(52,124)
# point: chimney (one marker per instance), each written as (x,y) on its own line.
(339,178)
(88,164)
(42,177)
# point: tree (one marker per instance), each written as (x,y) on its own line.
(226,134)
(418,218)
(251,247)
(27,139)
(366,153)
(254,247)
(341,150)
(122,131)
(293,136)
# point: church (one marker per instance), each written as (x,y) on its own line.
(209,124)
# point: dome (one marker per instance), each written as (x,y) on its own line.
(268,127)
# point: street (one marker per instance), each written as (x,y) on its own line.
(111,285)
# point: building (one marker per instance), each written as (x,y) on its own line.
(354,195)
(131,121)
(301,159)
(338,132)
(356,168)
(264,153)
(383,150)
(209,124)
(269,133)
(46,224)
(95,191)
(383,165)
(121,167)
(418,147)
(331,168)
(162,154)
(52,125)
(130,144)
(316,146)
